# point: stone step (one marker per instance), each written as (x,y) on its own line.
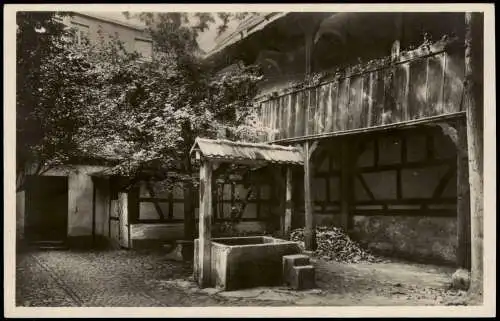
(49,245)
(302,277)
(291,261)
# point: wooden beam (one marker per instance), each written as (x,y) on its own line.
(365,186)
(278,193)
(474,109)
(288,204)
(189,218)
(157,206)
(312,149)
(309,231)
(438,191)
(247,162)
(450,130)
(346,183)
(379,128)
(463,201)
(205,225)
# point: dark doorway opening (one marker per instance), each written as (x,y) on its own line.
(46,208)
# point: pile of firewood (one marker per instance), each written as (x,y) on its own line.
(335,245)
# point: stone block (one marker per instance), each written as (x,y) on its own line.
(303,277)
(245,262)
(290,261)
(460,280)
(182,251)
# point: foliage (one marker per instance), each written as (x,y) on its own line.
(99,102)
(156,109)
(50,83)
(149,114)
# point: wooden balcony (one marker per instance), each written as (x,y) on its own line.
(413,87)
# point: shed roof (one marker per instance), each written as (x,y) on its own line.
(247,27)
(242,152)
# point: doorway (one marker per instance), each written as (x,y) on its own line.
(46,208)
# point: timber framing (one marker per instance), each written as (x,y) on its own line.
(436,86)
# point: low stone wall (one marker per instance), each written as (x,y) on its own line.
(425,239)
(155,235)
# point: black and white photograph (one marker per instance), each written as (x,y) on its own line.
(257,157)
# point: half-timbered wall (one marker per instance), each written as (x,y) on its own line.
(158,213)
(404,190)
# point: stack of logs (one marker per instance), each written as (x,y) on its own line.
(335,245)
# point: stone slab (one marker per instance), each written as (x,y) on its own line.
(303,277)
(289,261)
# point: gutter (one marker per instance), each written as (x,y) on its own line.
(239,35)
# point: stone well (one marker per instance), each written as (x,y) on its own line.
(245,262)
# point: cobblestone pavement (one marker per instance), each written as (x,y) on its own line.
(148,279)
(107,278)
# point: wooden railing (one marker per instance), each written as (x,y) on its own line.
(419,84)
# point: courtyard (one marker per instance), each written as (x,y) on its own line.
(148,278)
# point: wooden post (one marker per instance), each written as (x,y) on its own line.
(474,110)
(189,219)
(288,204)
(278,195)
(346,184)
(205,224)
(463,199)
(123,215)
(309,230)
(188,196)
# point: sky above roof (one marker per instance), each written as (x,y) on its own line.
(206,40)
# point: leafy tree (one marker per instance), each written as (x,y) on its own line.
(50,82)
(149,114)
(98,101)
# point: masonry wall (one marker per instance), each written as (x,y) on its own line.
(80,204)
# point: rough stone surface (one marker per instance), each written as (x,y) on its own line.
(121,279)
(460,280)
(246,265)
(110,279)
(303,277)
(289,261)
(425,239)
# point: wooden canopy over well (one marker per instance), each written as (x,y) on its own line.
(210,152)
(246,153)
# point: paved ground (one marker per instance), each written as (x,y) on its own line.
(148,279)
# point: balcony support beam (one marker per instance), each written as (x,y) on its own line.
(309,230)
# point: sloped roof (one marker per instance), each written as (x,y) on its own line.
(247,27)
(125,22)
(230,151)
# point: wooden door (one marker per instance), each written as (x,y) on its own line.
(46,208)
